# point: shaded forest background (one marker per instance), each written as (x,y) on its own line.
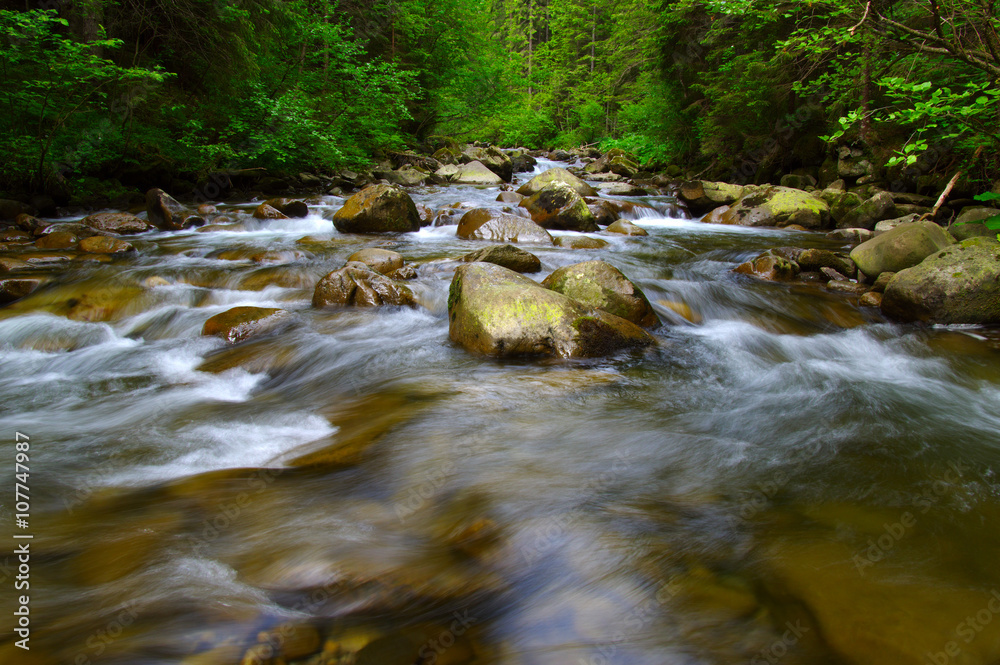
(132,93)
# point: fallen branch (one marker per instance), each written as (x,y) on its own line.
(947,190)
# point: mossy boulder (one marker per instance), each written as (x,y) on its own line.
(969,224)
(542,180)
(558,206)
(902,247)
(404,177)
(779,206)
(378,209)
(959,284)
(770,268)
(485,224)
(868,214)
(240,323)
(358,285)
(497,312)
(508,256)
(702,196)
(600,284)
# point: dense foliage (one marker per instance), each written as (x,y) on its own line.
(147,90)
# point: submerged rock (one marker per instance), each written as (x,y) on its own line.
(240,323)
(105,245)
(497,312)
(600,284)
(378,209)
(580,242)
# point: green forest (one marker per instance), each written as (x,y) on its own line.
(135,93)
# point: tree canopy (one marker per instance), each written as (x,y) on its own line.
(743,90)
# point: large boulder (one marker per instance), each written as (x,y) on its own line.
(558,206)
(493,159)
(485,224)
(902,247)
(508,256)
(542,180)
(616,161)
(164,211)
(599,284)
(522,161)
(404,177)
(288,207)
(476,173)
(15,288)
(874,210)
(378,209)
(267,211)
(969,224)
(382,261)
(497,312)
(959,284)
(852,163)
(116,222)
(779,206)
(702,196)
(358,285)
(239,323)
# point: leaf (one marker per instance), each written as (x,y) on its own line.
(987,196)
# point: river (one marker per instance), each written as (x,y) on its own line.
(786,477)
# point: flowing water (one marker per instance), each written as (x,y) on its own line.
(787,477)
